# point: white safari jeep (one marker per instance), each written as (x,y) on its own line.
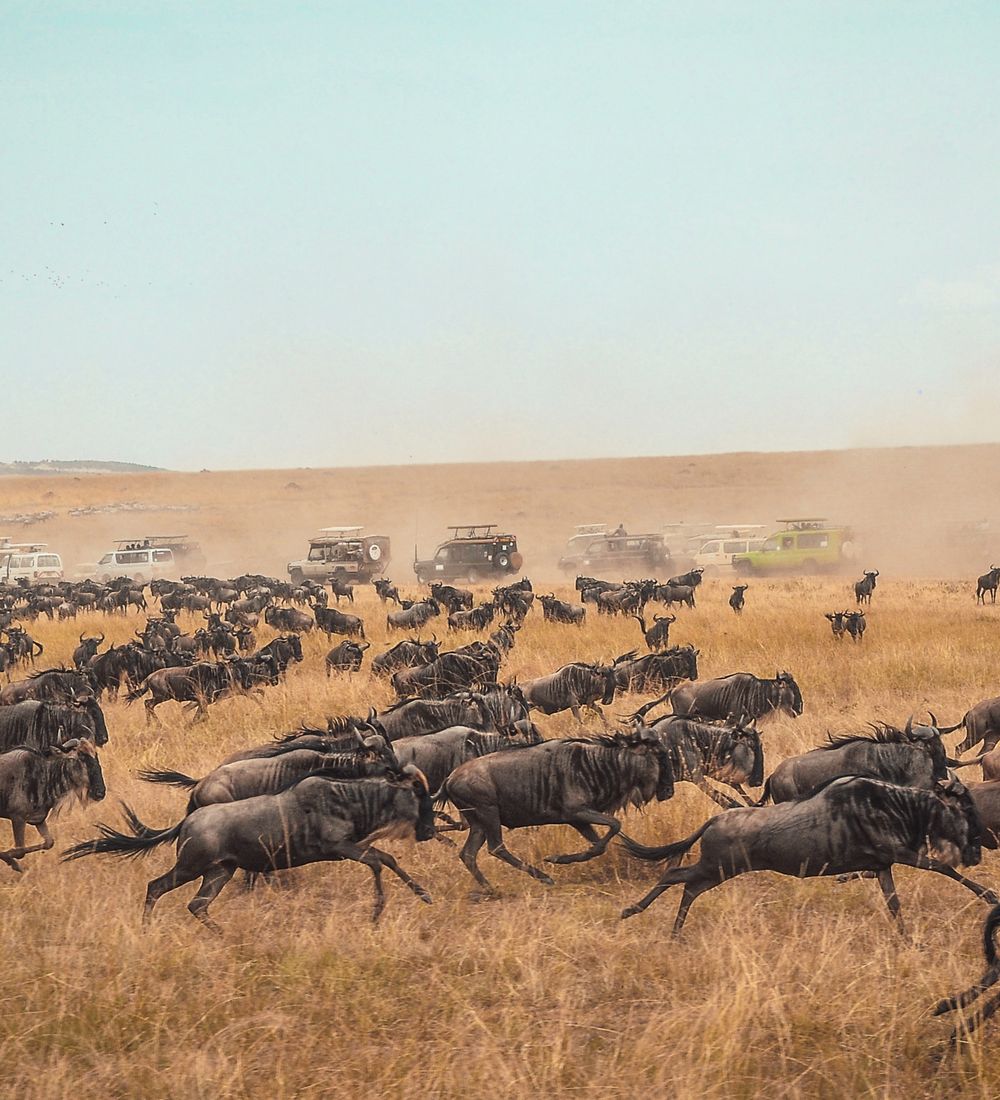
(342,553)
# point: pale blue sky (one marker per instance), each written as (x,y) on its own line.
(252,234)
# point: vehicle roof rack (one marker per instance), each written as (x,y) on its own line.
(804,523)
(591,528)
(337,529)
(472,530)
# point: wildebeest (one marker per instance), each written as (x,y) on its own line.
(474,666)
(988,582)
(838,623)
(23,646)
(655,671)
(856,625)
(386,590)
(339,587)
(502,639)
(700,751)
(291,619)
(990,978)
(909,757)
(332,621)
(658,635)
(981,723)
(35,782)
(345,733)
(85,650)
(571,687)
(414,616)
(346,657)
(282,650)
(669,594)
(864,588)
(418,717)
(52,685)
(437,755)
(692,578)
(581,782)
(558,611)
(315,820)
(36,725)
(478,618)
(737,600)
(454,599)
(852,825)
(740,694)
(410,653)
(197,685)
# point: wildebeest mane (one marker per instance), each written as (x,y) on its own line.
(881,734)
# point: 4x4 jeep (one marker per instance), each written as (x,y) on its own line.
(342,553)
(804,546)
(473,553)
(618,553)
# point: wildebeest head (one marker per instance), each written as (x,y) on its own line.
(954,829)
(665,782)
(83,750)
(608,672)
(789,696)
(748,752)
(929,739)
(413,777)
(92,709)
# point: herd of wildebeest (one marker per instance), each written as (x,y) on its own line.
(460,750)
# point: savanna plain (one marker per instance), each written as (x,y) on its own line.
(776,987)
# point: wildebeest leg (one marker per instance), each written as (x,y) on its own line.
(494,841)
(475,840)
(692,889)
(960,1000)
(669,878)
(723,800)
(949,872)
(19,849)
(888,888)
(583,823)
(738,787)
(157,887)
(600,713)
(390,862)
(212,884)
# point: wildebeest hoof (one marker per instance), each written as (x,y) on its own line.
(990,898)
(630,912)
(424,896)
(483,895)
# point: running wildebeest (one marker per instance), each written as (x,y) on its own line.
(981,723)
(35,782)
(669,594)
(418,717)
(656,671)
(989,979)
(410,653)
(988,582)
(291,619)
(558,611)
(52,685)
(737,600)
(581,782)
(700,751)
(316,820)
(864,588)
(199,685)
(691,578)
(454,599)
(837,623)
(437,755)
(658,635)
(455,671)
(346,657)
(740,694)
(909,757)
(478,618)
(856,625)
(332,621)
(571,687)
(348,733)
(851,825)
(413,617)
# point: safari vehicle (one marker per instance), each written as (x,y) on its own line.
(187,553)
(715,555)
(342,553)
(142,561)
(473,553)
(28,563)
(808,545)
(615,552)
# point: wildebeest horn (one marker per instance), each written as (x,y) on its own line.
(81,638)
(933,719)
(100,640)
(69,746)
(909,726)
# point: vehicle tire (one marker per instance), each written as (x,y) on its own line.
(742,568)
(375,552)
(472,577)
(296,576)
(810,568)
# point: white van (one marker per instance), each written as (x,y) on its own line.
(142,564)
(29,564)
(715,555)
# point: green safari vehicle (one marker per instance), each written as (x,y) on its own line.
(807,546)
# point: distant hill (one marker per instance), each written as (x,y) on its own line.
(74,466)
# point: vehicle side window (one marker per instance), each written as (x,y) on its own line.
(814,541)
(163,555)
(19,563)
(442,554)
(788,542)
(710,548)
(734,547)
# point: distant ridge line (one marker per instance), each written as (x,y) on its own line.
(72,466)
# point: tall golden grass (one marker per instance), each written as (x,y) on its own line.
(777,987)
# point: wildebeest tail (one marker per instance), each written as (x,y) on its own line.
(990,927)
(136,693)
(665,851)
(112,842)
(173,779)
(765,794)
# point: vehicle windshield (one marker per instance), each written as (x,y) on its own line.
(49,559)
(770,544)
(106,560)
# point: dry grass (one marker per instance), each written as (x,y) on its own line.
(776,987)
